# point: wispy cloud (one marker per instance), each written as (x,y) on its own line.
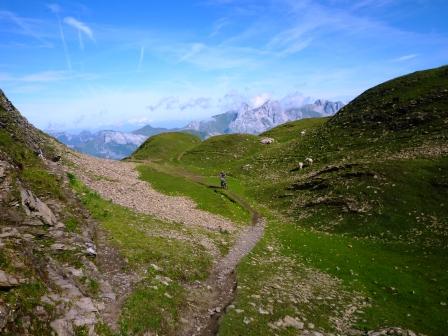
(26,26)
(219,25)
(46,76)
(81,27)
(221,57)
(56,9)
(405,58)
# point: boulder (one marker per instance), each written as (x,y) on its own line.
(34,207)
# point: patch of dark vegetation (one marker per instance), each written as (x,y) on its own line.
(314,184)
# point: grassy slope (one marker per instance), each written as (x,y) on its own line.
(291,130)
(165,146)
(165,174)
(221,153)
(175,183)
(380,224)
(152,305)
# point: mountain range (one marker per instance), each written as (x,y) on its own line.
(244,119)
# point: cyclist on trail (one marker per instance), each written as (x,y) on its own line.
(222,177)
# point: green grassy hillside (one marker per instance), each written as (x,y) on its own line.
(292,130)
(165,146)
(222,152)
(370,211)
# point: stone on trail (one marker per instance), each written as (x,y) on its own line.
(289,321)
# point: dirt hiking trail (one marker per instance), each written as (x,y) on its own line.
(207,302)
(119,182)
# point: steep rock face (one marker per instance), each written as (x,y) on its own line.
(257,120)
(274,113)
(218,124)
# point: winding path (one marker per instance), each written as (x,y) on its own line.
(206,302)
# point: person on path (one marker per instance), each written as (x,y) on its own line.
(222,177)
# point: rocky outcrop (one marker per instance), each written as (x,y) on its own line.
(274,113)
(35,208)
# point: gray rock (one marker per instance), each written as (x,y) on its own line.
(289,321)
(34,207)
(58,247)
(9,232)
(86,305)
(8,281)
(61,327)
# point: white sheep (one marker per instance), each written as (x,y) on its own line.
(309,161)
(267,141)
(300,165)
(40,154)
(303,133)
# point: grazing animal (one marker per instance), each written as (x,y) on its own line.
(309,161)
(300,165)
(267,141)
(40,154)
(303,133)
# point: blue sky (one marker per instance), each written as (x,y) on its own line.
(94,64)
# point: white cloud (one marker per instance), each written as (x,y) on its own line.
(260,99)
(405,58)
(80,26)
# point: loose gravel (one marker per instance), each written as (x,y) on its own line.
(119,182)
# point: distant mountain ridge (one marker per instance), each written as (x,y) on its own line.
(260,119)
(245,119)
(148,130)
(106,144)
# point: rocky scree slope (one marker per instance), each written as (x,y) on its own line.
(49,278)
